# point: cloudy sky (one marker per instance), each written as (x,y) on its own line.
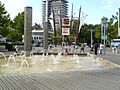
(95,9)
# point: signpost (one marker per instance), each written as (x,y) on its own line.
(104,25)
(65,27)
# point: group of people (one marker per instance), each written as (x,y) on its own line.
(98,48)
(95,48)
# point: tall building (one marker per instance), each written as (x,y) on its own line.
(56,5)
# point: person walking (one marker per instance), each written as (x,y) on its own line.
(96,48)
(101,48)
(92,49)
(82,48)
(16,49)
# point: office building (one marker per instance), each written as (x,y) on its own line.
(56,5)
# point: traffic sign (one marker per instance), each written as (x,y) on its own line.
(104,37)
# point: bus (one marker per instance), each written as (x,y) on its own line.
(115,42)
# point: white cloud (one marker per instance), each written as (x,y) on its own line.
(13,7)
(109,4)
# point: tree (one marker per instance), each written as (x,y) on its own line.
(98,33)
(58,37)
(18,26)
(4,21)
(73,30)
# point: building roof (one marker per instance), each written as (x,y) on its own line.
(55,0)
(34,30)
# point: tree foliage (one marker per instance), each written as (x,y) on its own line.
(18,25)
(4,21)
(14,29)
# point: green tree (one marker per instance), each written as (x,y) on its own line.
(58,36)
(97,33)
(4,21)
(73,30)
(18,27)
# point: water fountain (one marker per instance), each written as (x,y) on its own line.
(10,58)
(43,57)
(77,59)
(74,56)
(23,53)
(59,55)
(24,62)
(34,58)
(3,55)
(15,54)
(54,59)
(44,63)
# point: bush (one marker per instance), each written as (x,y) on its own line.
(2,43)
(107,45)
(9,47)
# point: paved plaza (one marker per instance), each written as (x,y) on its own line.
(94,79)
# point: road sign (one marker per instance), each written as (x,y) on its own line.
(104,25)
(104,37)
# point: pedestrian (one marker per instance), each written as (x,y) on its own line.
(96,48)
(92,49)
(82,48)
(66,50)
(101,48)
(50,46)
(16,49)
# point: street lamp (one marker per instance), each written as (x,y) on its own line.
(91,31)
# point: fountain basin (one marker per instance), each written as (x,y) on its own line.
(51,63)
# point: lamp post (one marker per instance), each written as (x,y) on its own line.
(91,31)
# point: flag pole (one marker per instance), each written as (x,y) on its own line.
(54,27)
(78,26)
(71,24)
(61,22)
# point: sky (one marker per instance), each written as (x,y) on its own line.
(95,9)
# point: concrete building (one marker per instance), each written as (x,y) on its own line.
(56,5)
(37,36)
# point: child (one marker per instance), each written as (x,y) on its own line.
(16,48)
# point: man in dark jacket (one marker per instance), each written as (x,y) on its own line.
(96,48)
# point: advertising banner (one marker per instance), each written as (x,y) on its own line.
(65,22)
(65,31)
